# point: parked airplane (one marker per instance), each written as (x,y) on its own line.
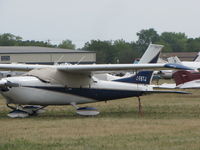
(187,79)
(192,64)
(167,74)
(183,80)
(66,84)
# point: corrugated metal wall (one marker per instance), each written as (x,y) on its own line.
(48,58)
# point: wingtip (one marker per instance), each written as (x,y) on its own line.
(177,66)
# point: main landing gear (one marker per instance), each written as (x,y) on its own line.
(85,111)
(140,112)
(24,111)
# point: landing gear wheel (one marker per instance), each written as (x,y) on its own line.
(34,110)
(24,111)
(85,111)
(18,114)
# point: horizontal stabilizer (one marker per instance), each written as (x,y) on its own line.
(167,91)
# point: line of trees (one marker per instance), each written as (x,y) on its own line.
(8,39)
(118,51)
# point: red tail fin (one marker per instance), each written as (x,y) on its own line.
(181,77)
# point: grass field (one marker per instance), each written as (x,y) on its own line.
(170,122)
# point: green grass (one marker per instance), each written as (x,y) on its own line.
(169,122)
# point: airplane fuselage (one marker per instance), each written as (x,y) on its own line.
(30,90)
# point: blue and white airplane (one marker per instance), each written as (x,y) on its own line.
(66,84)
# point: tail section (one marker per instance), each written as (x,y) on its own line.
(151,55)
(174,60)
(142,77)
(181,77)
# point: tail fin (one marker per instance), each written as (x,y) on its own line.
(197,58)
(181,77)
(151,55)
(174,60)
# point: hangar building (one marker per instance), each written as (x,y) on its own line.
(44,55)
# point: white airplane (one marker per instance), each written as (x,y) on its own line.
(192,64)
(66,84)
(167,74)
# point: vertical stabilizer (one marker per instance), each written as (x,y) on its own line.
(174,60)
(151,54)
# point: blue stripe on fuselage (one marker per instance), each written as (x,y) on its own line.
(98,94)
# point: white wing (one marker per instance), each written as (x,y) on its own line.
(22,67)
(93,68)
(114,67)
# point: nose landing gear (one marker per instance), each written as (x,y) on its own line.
(24,111)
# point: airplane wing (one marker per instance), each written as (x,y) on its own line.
(118,67)
(93,68)
(22,67)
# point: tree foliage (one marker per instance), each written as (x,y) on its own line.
(118,51)
(67,44)
(174,41)
(8,39)
(104,50)
(145,37)
(193,44)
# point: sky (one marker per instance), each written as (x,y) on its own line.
(85,20)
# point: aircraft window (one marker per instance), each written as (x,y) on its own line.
(5,58)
